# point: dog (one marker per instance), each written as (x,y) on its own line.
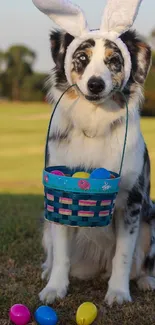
(87,131)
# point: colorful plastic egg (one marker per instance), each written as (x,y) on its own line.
(81,175)
(86,314)
(19,314)
(57,172)
(45,315)
(100,173)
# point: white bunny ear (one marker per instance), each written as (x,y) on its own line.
(65,14)
(119,16)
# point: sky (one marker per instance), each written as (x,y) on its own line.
(22,23)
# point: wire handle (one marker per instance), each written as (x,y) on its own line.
(126,131)
(126,128)
(49,127)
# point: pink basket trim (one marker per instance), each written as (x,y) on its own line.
(50,197)
(65,200)
(66,212)
(86,214)
(87,202)
(50,208)
(103,213)
(105,202)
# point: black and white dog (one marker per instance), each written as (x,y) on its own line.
(88,132)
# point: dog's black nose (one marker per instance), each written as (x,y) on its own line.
(96,85)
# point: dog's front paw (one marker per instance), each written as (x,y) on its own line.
(117,296)
(52,292)
(146,283)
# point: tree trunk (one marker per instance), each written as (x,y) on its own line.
(16,90)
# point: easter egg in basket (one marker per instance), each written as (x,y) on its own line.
(81,175)
(100,173)
(57,173)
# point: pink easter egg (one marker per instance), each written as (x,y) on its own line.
(19,314)
(83,184)
(57,172)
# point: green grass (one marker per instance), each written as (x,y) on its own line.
(22,138)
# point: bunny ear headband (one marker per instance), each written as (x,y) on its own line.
(118,17)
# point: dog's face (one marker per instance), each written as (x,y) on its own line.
(97,65)
(97,68)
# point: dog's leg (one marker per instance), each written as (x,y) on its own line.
(127,231)
(147,279)
(47,242)
(59,278)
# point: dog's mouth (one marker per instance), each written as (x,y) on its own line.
(94,98)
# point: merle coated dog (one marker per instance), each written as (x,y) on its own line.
(88,132)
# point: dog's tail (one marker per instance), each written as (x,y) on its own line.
(149,263)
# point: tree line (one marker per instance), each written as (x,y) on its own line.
(19,81)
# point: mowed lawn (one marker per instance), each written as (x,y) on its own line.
(22,138)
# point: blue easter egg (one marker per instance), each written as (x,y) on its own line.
(100,173)
(45,315)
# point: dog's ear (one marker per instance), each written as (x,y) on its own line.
(59,42)
(140,56)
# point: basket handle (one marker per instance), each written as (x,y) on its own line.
(126,127)
(126,131)
(49,127)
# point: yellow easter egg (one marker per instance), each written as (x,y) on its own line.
(86,313)
(81,175)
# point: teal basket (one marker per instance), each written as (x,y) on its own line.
(79,202)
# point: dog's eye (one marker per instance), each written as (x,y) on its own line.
(114,60)
(83,57)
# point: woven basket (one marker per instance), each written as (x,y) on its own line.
(79,202)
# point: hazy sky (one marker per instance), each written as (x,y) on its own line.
(22,23)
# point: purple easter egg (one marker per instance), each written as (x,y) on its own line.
(57,172)
(19,314)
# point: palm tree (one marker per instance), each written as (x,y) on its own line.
(19,61)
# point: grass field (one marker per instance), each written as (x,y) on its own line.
(22,137)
